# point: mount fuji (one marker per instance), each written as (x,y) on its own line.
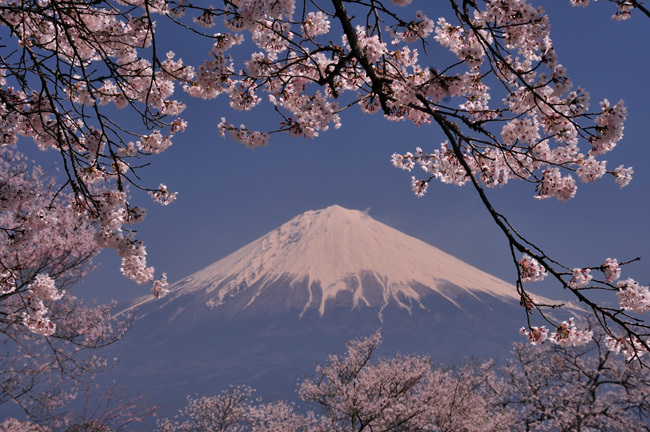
(267,313)
(328,259)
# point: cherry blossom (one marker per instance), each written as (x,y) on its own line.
(581,278)
(629,348)
(611,270)
(160,286)
(531,269)
(536,335)
(316,23)
(419,186)
(568,335)
(162,195)
(623,175)
(632,296)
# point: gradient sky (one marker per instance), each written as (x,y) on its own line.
(230,195)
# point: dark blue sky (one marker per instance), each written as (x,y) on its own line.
(230,195)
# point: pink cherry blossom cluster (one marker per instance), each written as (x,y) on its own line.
(629,348)
(160,286)
(568,335)
(441,164)
(35,317)
(162,195)
(565,335)
(496,167)
(236,409)
(633,297)
(611,270)
(373,48)
(554,185)
(609,126)
(417,29)
(623,175)
(581,278)
(590,169)
(7,282)
(531,270)
(555,388)
(536,335)
(134,261)
(33,224)
(240,134)
(403,392)
(44,288)
(419,186)
(464,44)
(316,23)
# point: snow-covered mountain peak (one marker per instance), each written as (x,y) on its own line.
(336,256)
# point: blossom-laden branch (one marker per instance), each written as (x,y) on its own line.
(520,157)
(47,335)
(62,69)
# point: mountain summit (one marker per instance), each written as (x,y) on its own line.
(333,257)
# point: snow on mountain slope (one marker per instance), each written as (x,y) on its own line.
(334,256)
